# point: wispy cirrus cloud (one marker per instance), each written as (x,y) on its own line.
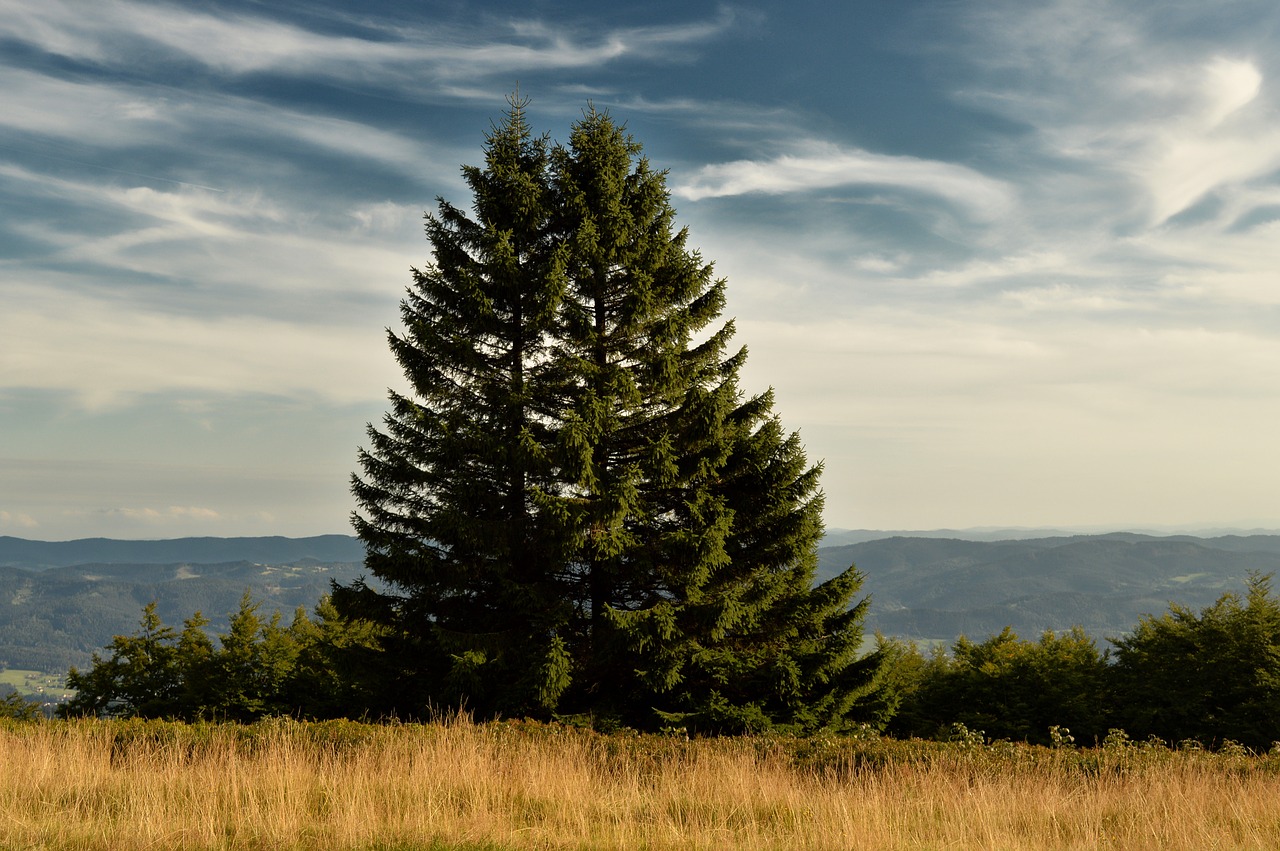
(207,213)
(1139,148)
(267,248)
(121,115)
(1222,138)
(246,44)
(113,114)
(820,165)
(17,520)
(1143,97)
(165,515)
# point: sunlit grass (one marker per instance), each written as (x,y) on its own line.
(284,785)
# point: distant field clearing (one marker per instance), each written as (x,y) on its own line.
(28,681)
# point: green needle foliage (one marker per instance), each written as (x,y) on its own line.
(576,511)
(448,501)
(258,668)
(18,708)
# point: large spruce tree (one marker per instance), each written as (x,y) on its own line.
(446,501)
(699,516)
(645,427)
(579,512)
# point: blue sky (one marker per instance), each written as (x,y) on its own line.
(1005,263)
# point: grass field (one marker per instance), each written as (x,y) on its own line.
(28,681)
(341,785)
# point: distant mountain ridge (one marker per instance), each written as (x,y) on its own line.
(840,537)
(38,555)
(935,589)
(60,601)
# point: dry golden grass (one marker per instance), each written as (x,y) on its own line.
(283,785)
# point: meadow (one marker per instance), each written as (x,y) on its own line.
(29,682)
(279,784)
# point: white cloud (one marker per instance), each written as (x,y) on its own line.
(244,44)
(1073,298)
(1108,91)
(384,216)
(1214,141)
(1030,264)
(164,515)
(17,520)
(1229,85)
(878,264)
(818,165)
(121,115)
(109,115)
(262,243)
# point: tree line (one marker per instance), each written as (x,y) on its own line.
(259,667)
(1209,677)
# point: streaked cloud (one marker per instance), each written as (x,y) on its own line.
(113,114)
(164,515)
(126,115)
(243,43)
(817,166)
(1216,134)
(11,520)
(171,233)
(1178,117)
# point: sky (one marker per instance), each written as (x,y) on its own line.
(1003,263)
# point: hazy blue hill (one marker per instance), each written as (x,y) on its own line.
(38,555)
(60,601)
(936,589)
(53,617)
(1102,567)
(1245,543)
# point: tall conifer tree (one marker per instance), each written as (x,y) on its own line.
(446,501)
(699,517)
(577,511)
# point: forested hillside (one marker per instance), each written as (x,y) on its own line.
(937,589)
(38,555)
(924,588)
(55,618)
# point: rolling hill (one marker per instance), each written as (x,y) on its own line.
(38,555)
(935,589)
(61,601)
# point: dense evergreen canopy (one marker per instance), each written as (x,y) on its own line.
(260,667)
(576,510)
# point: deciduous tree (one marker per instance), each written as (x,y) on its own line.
(1210,675)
